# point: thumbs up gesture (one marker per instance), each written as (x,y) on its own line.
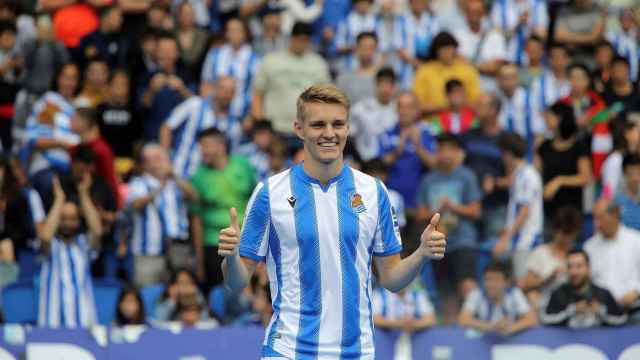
(433,242)
(230,237)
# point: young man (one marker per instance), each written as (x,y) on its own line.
(409,310)
(459,117)
(628,198)
(360,20)
(553,84)
(498,308)
(66,295)
(357,79)
(523,229)
(579,303)
(319,225)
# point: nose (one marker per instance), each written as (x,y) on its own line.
(329,132)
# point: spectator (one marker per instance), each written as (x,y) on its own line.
(21,15)
(165,87)
(626,141)
(547,264)
(272,38)
(564,164)
(628,197)
(579,303)
(221,182)
(408,310)
(191,39)
(130,308)
(450,14)
(72,20)
(357,79)
(408,149)
(189,313)
(580,25)
(523,228)
(532,65)
(237,59)
(257,151)
(67,301)
(118,120)
(379,170)
(458,118)
(444,65)
(283,76)
(10,68)
(481,45)
(160,224)
(159,17)
(182,283)
(553,83)
(107,41)
(625,41)
(9,269)
(414,37)
(484,158)
(603,56)
(620,94)
(361,19)
(614,251)
(499,308)
(452,190)
(95,85)
(261,310)
(372,116)
(143,60)
(299,11)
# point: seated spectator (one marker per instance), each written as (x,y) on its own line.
(579,303)
(626,140)
(620,94)
(357,79)
(67,301)
(532,64)
(553,83)
(379,170)
(182,283)
(272,39)
(603,56)
(130,308)
(108,42)
(372,116)
(579,26)
(624,38)
(408,310)
(500,308)
(458,118)
(547,263)
(614,251)
(191,38)
(257,151)
(444,65)
(95,87)
(189,313)
(260,311)
(361,19)
(628,197)
(221,182)
(158,201)
(524,225)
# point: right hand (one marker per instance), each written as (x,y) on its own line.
(230,236)
(58,193)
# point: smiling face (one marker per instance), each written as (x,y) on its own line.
(324,132)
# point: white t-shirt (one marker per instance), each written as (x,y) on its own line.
(526,190)
(543,263)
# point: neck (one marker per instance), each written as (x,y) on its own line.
(475,26)
(509,92)
(582,287)
(236,47)
(367,67)
(220,162)
(612,234)
(322,172)
(559,73)
(516,164)
(561,246)
(492,128)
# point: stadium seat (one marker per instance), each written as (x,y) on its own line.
(106,293)
(28,264)
(217,301)
(150,295)
(19,303)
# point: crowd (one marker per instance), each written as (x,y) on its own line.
(130,128)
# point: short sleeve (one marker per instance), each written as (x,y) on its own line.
(472,302)
(520,302)
(538,264)
(255,230)
(472,191)
(527,190)
(179,114)
(387,237)
(35,204)
(208,68)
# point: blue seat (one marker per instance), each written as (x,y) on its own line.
(217,301)
(19,303)
(150,295)
(106,293)
(28,264)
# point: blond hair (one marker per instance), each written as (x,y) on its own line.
(321,94)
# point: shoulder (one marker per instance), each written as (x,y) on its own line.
(465,173)
(362,180)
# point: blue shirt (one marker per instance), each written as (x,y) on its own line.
(460,187)
(630,209)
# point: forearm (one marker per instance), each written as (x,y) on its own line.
(527,321)
(403,273)
(52,222)
(490,67)
(472,211)
(257,110)
(47,143)
(189,192)
(428,160)
(141,202)
(425,322)
(134,6)
(574,180)
(249,9)
(165,136)
(91,214)
(531,282)
(467,320)
(147,98)
(236,276)
(196,234)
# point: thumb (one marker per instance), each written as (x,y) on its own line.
(233,214)
(435,219)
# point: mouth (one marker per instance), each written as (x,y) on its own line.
(328,145)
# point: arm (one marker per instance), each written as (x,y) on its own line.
(521,218)
(424,322)
(303,12)
(134,6)
(198,244)
(559,310)
(466,319)
(48,143)
(53,5)
(139,203)
(165,136)
(250,8)
(237,271)
(582,178)
(527,321)
(472,210)
(563,34)
(91,215)
(531,281)
(52,222)
(189,191)
(257,108)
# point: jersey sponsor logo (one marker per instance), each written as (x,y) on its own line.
(292,200)
(356,203)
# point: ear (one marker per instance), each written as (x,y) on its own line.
(298,129)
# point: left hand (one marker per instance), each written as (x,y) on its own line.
(433,242)
(629,299)
(552,188)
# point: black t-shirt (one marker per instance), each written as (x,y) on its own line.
(120,126)
(558,163)
(629,103)
(484,158)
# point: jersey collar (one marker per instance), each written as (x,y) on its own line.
(298,170)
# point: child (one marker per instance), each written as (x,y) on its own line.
(459,117)
(130,310)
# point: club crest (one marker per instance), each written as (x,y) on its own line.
(356,203)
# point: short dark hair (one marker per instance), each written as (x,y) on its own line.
(514,144)
(211,131)
(301,29)
(580,252)
(386,73)
(166,35)
(620,60)
(262,124)
(607,44)
(8,26)
(497,266)
(443,39)
(366,34)
(452,85)
(567,220)
(448,138)
(88,114)
(106,10)
(535,38)
(583,67)
(630,160)
(558,46)
(84,154)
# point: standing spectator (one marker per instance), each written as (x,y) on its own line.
(66,295)
(553,84)
(620,95)
(407,148)
(95,87)
(579,303)
(120,124)
(373,115)
(532,65)
(357,80)
(547,264)
(626,141)
(165,87)
(191,39)
(221,182)
(564,164)
(628,196)
(130,308)
(458,118)
(625,41)
(499,308)
(272,38)
(523,229)
(604,55)
(444,65)
(158,201)
(408,310)
(107,42)
(361,19)
(614,251)
(283,76)
(413,38)
(237,59)
(580,25)
(257,151)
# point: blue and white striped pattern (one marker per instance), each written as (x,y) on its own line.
(59,129)
(66,290)
(185,121)
(413,303)
(163,218)
(348,31)
(241,65)
(513,306)
(626,44)
(519,116)
(415,35)
(318,242)
(526,190)
(546,89)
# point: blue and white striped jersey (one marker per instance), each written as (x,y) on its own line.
(241,65)
(318,242)
(163,218)
(526,189)
(391,306)
(349,29)
(66,290)
(514,305)
(415,35)
(626,45)
(258,159)
(546,89)
(517,114)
